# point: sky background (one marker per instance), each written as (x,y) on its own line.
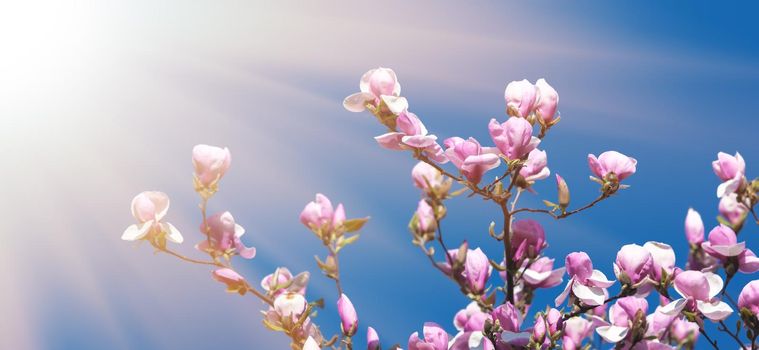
(102,100)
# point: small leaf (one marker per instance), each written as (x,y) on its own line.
(353,225)
(344,241)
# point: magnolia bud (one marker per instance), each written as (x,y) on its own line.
(348,317)
(563,192)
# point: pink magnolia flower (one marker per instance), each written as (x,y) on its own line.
(435,338)
(311,344)
(471,341)
(514,137)
(731,170)
(471,319)
(476,270)
(576,329)
(282,281)
(149,208)
(612,162)
(511,321)
(320,215)
(536,167)
(348,316)
(547,101)
(412,134)
(585,283)
(731,209)
(663,258)
(540,274)
(694,227)
(210,163)
(658,323)
(429,179)
(749,297)
(232,279)
(379,84)
(425,218)
(699,290)
(528,240)
(470,158)
(684,331)
(290,305)
(723,243)
(622,316)
(372,339)
(224,236)
(520,98)
(634,264)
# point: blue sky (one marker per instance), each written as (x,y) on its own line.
(107,100)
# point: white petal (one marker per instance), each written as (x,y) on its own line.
(134,232)
(612,334)
(674,307)
(563,296)
(589,295)
(728,187)
(357,101)
(730,250)
(172,233)
(716,311)
(598,279)
(715,283)
(395,104)
(535,277)
(239,230)
(475,341)
(311,344)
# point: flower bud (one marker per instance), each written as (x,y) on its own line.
(232,279)
(528,239)
(348,317)
(425,218)
(210,163)
(317,214)
(694,227)
(508,316)
(563,190)
(290,305)
(536,167)
(372,339)
(430,180)
(520,98)
(477,270)
(749,297)
(539,330)
(612,166)
(435,338)
(547,101)
(579,265)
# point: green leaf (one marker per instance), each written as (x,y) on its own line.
(353,225)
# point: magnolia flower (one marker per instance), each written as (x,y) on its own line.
(540,274)
(311,344)
(514,137)
(658,323)
(470,158)
(528,240)
(379,84)
(372,339)
(663,257)
(536,167)
(348,316)
(547,101)
(320,214)
(435,338)
(723,244)
(232,279)
(694,227)
(471,319)
(698,290)
(510,320)
(476,270)
(471,341)
(731,170)
(576,329)
(148,208)
(633,265)
(585,283)
(612,162)
(731,209)
(427,178)
(749,297)
(290,305)
(210,163)
(224,236)
(412,134)
(684,331)
(520,98)
(282,281)
(624,315)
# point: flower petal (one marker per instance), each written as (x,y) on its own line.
(563,296)
(239,230)
(134,232)
(395,104)
(715,283)
(730,250)
(589,295)
(598,279)
(716,311)
(674,307)
(172,233)
(612,334)
(357,101)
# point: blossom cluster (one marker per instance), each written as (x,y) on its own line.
(657,304)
